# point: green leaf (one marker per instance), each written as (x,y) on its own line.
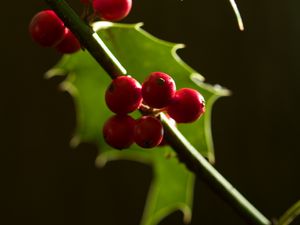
(140,53)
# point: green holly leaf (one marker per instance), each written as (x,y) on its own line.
(140,53)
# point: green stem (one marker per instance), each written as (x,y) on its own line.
(186,152)
(88,38)
(198,164)
(237,14)
(290,214)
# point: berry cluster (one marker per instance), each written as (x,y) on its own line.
(47,29)
(157,94)
(125,94)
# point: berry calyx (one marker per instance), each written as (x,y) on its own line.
(158,90)
(148,132)
(69,44)
(46,28)
(187,106)
(118,131)
(112,10)
(123,95)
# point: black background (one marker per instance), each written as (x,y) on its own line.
(256,130)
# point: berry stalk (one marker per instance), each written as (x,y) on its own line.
(186,152)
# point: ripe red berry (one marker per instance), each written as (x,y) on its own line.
(46,28)
(123,95)
(118,131)
(187,106)
(148,132)
(158,90)
(69,44)
(112,10)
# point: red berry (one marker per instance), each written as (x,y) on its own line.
(46,28)
(118,131)
(158,90)
(69,44)
(187,106)
(148,132)
(123,95)
(112,10)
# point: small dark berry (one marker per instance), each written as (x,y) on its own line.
(46,28)
(123,95)
(187,106)
(118,131)
(69,44)
(158,90)
(112,10)
(148,132)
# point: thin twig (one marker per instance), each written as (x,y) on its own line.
(289,216)
(237,14)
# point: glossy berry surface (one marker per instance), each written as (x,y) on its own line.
(123,95)
(118,131)
(158,90)
(69,43)
(46,28)
(112,10)
(148,132)
(187,106)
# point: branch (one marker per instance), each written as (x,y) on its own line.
(186,152)
(88,38)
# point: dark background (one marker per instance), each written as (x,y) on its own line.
(256,130)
